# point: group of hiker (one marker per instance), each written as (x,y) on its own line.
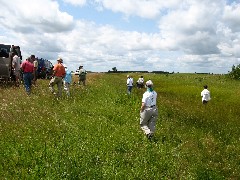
(149,110)
(61,75)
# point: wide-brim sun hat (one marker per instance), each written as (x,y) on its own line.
(149,83)
(60,59)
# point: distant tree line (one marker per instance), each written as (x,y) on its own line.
(114,70)
(156,72)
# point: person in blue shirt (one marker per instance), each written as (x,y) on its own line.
(67,81)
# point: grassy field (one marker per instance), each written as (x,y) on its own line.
(95,133)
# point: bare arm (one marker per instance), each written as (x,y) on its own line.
(142,107)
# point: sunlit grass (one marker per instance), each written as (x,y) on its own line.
(95,134)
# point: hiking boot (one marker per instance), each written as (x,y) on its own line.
(150,136)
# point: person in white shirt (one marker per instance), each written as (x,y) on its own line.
(149,111)
(205,95)
(140,82)
(35,65)
(16,65)
(129,84)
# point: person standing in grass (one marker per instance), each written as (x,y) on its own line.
(67,81)
(16,65)
(129,84)
(58,74)
(205,95)
(149,111)
(27,69)
(35,64)
(82,75)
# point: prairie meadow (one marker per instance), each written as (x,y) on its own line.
(95,133)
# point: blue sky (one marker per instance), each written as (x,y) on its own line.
(107,17)
(149,35)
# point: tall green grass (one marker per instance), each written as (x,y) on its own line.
(95,133)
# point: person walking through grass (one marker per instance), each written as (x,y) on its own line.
(149,111)
(140,82)
(67,81)
(58,74)
(82,75)
(27,69)
(205,95)
(129,84)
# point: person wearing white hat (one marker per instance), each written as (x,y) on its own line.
(129,84)
(58,74)
(149,111)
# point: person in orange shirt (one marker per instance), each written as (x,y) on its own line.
(58,74)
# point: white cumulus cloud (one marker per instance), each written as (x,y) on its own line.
(191,36)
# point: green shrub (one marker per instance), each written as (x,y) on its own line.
(235,73)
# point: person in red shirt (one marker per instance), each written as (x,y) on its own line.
(58,74)
(27,69)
